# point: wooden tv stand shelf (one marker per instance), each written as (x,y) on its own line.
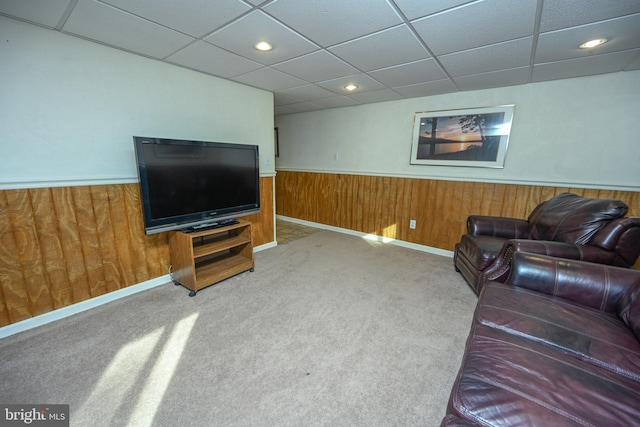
(203,258)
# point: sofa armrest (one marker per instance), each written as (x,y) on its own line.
(621,235)
(594,285)
(508,228)
(498,271)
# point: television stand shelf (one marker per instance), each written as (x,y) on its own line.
(203,258)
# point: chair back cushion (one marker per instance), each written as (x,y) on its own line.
(570,218)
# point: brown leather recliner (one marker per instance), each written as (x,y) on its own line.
(566,226)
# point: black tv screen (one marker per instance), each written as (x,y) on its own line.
(189,184)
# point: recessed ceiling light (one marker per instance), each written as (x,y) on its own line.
(592,43)
(263,46)
(351,87)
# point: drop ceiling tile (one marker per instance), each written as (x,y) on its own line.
(622,33)
(396,45)
(515,76)
(269,79)
(562,13)
(427,89)
(282,110)
(597,64)
(307,92)
(381,95)
(108,25)
(501,56)
(330,22)
(195,18)
(412,73)
(210,59)
(242,35)
(477,24)
(363,81)
(300,107)
(280,98)
(413,9)
(46,13)
(316,66)
(336,101)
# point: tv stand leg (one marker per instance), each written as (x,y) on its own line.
(192,293)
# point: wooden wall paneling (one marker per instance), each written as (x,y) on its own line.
(419,209)
(391,189)
(342,211)
(107,243)
(365,218)
(262,224)
(71,245)
(12,281)
(48,235)
(401,203)
(90,243)
(283,181)
(457,208)
(136,236)
(120,224)
(322,195)
(28,253)
(373,204)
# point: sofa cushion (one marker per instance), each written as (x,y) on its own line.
(570,218)
(629,310)
(510,380)
(598,338)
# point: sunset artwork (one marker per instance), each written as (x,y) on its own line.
(462,137)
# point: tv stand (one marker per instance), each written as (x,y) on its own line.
(204,257)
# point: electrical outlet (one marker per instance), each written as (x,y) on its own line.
(412,223)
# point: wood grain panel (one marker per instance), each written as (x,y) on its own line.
(50,246)
(384,205)
(67,223)
(106,237)
(14,287)
(88,235)
(262,224)
(120,224)
(27,253)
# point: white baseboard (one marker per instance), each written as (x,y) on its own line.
(265,246)
(70,310)
(415,246)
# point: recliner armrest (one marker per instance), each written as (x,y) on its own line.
(594,285)
(500,267)
(508,228)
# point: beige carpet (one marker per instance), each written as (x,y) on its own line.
(329,330)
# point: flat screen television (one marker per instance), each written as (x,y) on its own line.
(188,185)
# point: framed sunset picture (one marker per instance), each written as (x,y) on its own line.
(476,137)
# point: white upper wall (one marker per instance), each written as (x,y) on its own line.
(577,132)
(69,109)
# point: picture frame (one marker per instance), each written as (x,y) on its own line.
(276,143)
(473,137)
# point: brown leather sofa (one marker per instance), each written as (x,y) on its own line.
(557,344)
(566,226)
